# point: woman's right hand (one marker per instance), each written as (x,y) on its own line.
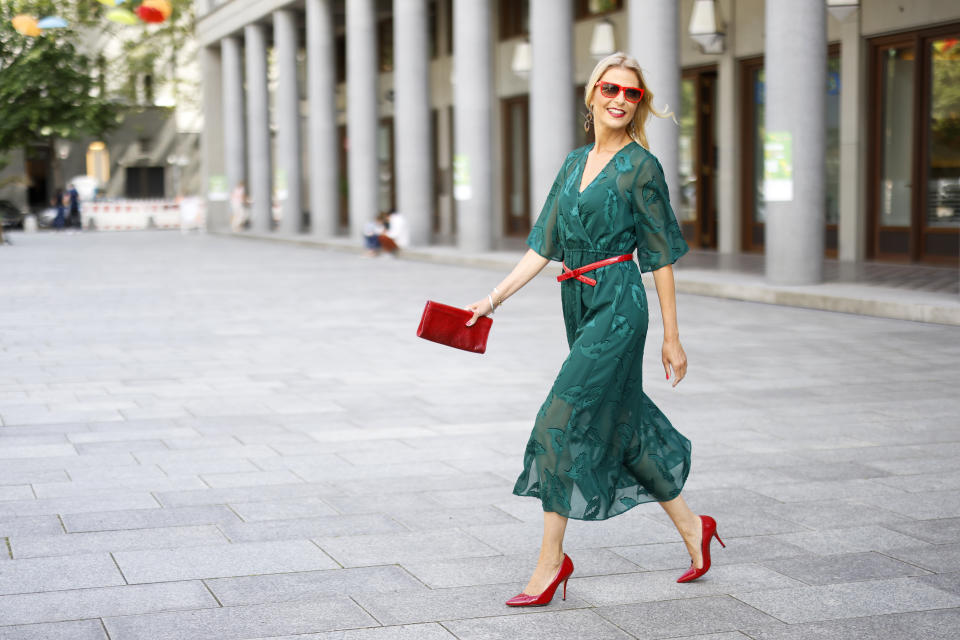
(479,308)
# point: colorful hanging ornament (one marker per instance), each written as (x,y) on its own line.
(122,16)
(52,22)
(163,6)
(149,14)
(112,3)
(27,25)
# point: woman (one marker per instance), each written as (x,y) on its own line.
(599,445)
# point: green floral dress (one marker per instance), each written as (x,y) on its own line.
(599,445)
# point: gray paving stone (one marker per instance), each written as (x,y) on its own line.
(309,584)
(367,523)
(922,506)
(850,540)
(283,509)
(36,450)
(102,486)
(407,607)
(250,479)
(673,555)
(427,631)
(30,526)
(71,543)
(557,625)
(241,494)
(927,625)
(73,630)
(55,606)
(149,518)
(16,492)
(851,600)
(688,617)
(8,477)
(357,551)
(843,568)
(383,503)
(221,561)
(303,616)
(835,514)
(437,519)
(935,531)
(78,571)
(949,582)
(462,572)
(940,558)
(111,501)
(662,585)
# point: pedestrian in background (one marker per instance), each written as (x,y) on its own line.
(74,219)
(599,444)
(397,234)
(238,206)
(59,203)
(372,230)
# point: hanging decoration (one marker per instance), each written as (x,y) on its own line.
(122,16)
(52,22)
(27,25)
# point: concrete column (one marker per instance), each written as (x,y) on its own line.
(472,121)
(654,28)
(259,164)
(289,169)
(211,141)
(362,113)
(321,92)
(728,142)
(413,157)
(796,67)
(853,219)
(552,105)
(233,135)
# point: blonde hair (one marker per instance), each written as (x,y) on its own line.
(636,128)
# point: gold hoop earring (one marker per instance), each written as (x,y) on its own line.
(588,121)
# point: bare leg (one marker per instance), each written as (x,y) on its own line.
(689,526)
(551,553)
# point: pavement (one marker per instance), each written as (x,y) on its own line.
(207,437)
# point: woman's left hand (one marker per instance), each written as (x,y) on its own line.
(674,359)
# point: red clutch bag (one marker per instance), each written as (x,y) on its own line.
(447,325)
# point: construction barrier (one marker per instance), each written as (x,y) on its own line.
(133,215)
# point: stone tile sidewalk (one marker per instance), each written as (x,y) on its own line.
(206,437)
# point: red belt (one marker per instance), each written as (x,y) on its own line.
(578,273)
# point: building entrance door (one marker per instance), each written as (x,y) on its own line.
(516,166)
(696,206)
(914,184)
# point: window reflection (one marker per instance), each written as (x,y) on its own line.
(943,177)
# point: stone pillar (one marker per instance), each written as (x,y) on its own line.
(654,27)
(235,152)
(289,169)
(796,67)
(362,113)
(552,107)
(321,92)
(260,188)
(211,141)
(728,142)
(852,227)
(413,157)
(472,121)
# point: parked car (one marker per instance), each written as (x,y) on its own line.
(11,217)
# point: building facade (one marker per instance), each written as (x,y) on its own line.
(830,137)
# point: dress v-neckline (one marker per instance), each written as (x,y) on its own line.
(602,170)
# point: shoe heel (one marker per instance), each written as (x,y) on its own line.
(719,540)
(564,589)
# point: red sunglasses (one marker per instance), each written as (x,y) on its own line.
(612,89)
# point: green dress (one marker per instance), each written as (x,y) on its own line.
(599,445)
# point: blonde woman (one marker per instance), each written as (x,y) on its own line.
(599,445)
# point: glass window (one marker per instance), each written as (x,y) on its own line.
(590,8)
(943,167)
(687,208)
(758,83)
(514,18)
(832,159)
(897,136)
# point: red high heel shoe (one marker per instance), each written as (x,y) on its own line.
(709,532)
(524,600)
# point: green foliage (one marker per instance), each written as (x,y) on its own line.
(46,84)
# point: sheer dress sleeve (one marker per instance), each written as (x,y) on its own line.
(544,237)
(659,239)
